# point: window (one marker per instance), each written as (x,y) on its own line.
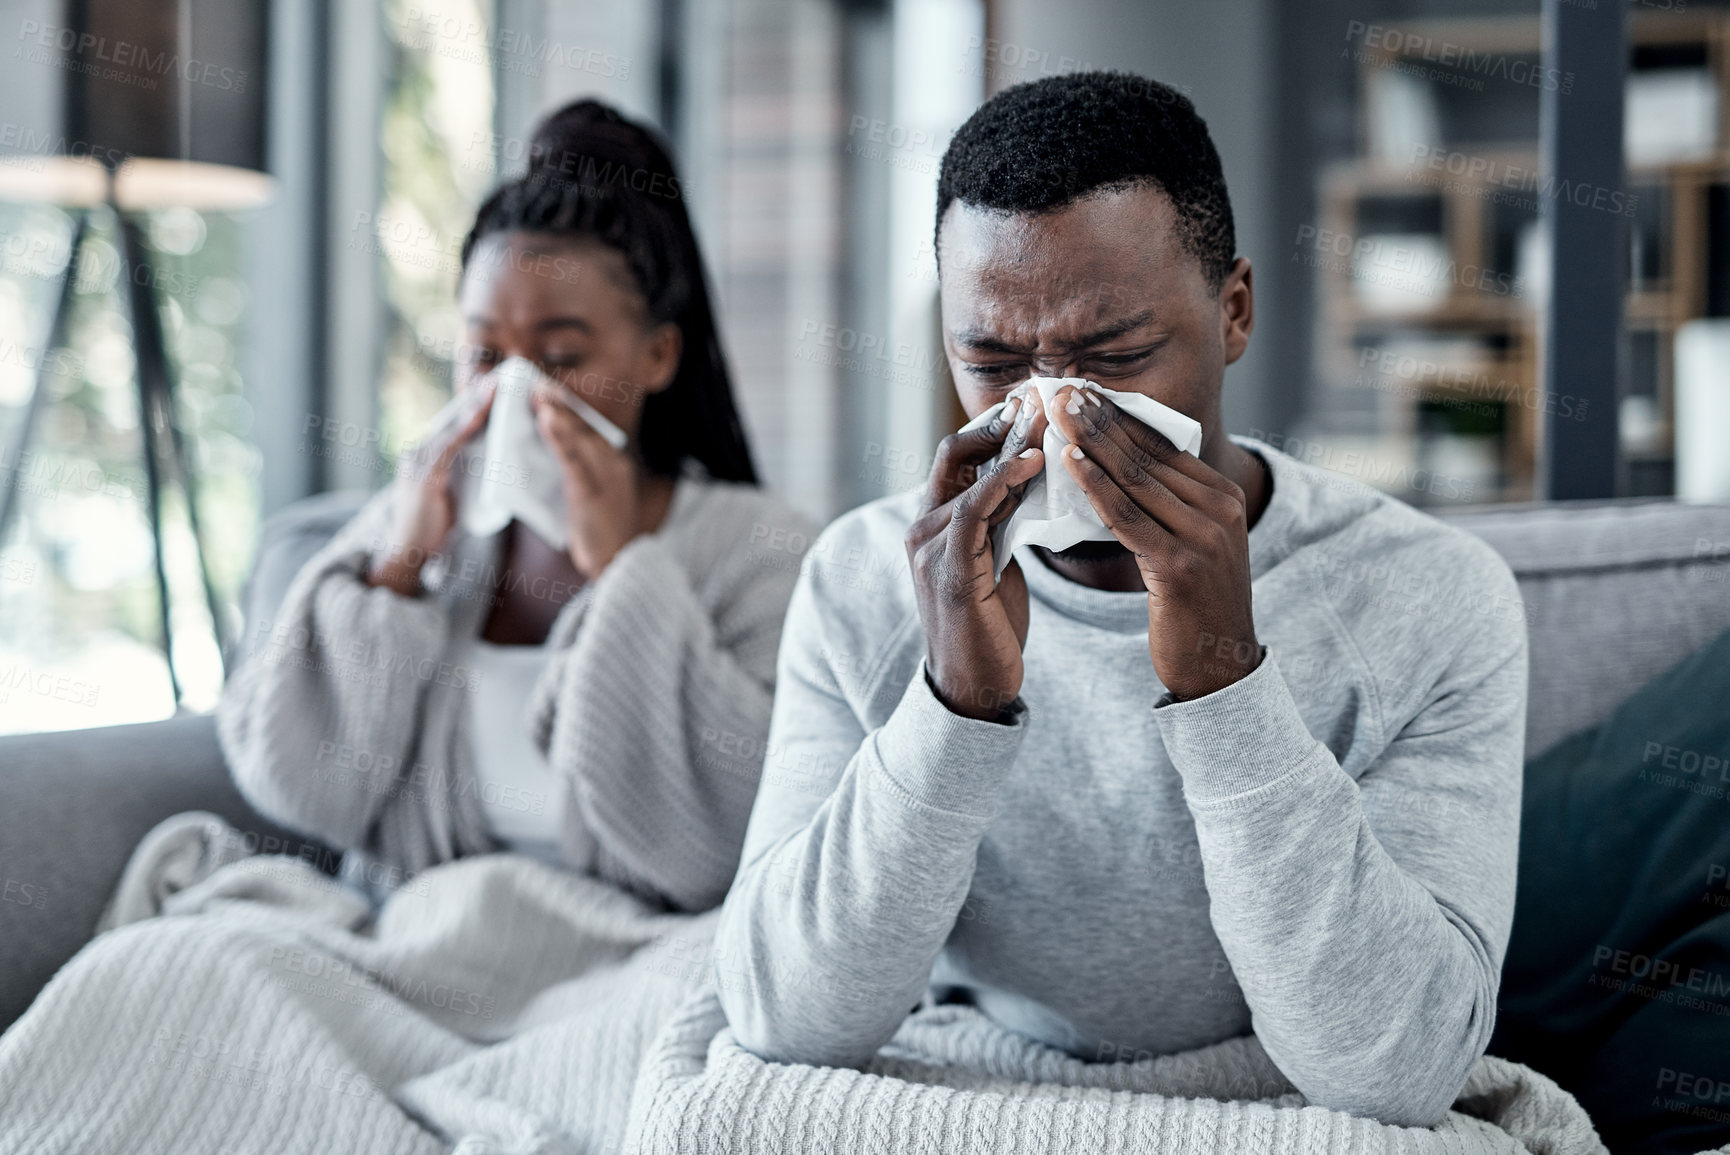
(437,140)
(80,625)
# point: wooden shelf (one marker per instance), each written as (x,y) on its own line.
(1650,309)
(1484,177)
(1457,313)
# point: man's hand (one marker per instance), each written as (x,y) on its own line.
(975,626)
(1188,527)
(603,491)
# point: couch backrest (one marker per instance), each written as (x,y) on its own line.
(286,542)
(1616,593)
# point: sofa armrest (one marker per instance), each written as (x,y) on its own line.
(73,805)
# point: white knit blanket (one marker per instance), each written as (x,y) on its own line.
(953,1083)
(497,1005)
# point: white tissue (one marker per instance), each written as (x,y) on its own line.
(1055,512)
(512,473)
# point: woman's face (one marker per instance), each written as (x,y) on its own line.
(572,307)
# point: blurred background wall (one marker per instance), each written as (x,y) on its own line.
(1381,156)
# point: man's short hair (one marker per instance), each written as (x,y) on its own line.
(1041,145)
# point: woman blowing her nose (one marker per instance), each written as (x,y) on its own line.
(555,633)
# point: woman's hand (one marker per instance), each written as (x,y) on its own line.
(426,502)
(603,485)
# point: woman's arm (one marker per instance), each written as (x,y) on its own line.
(660,709)
(320,726)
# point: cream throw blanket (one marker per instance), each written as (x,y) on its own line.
(500,1006)
(951,1081)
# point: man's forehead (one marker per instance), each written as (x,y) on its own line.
(1092,263)
(1118,221)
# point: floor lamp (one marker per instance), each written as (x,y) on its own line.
(161,104)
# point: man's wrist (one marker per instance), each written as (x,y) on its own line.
(1240,738)
(944,760)
(979,704)
(1216,675)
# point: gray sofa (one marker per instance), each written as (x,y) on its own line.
(1617,592)
(74,804)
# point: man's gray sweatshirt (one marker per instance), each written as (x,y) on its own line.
(1323,853)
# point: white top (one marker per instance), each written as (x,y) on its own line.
(523,799)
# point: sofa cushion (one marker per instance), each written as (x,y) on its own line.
(1615,594)
(73,805)
(1617,978)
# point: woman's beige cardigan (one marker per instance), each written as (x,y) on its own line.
(351,721)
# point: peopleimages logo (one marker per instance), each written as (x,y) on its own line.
(126,59)
(1479,171)
(456,35)
(1413,49)
(1409,268)
(25,139)
(1383,473)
